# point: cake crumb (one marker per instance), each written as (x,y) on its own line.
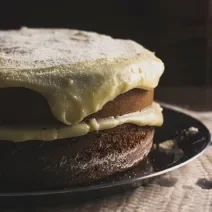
(193,130)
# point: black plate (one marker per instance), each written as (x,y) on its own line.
(186,148)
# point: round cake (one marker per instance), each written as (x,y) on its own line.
(76,107)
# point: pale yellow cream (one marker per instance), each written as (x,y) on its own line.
(77,72)
(151,116)
(82,89)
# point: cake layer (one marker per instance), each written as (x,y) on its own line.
(20,106)
(77,72)
(150,116)
(37,165)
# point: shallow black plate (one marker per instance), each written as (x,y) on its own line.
(186,148)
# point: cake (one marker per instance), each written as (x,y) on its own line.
(76,107)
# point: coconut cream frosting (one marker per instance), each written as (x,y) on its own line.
(77,72)
(151,116)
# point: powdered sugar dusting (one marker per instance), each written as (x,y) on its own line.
(40,48)
(117,159)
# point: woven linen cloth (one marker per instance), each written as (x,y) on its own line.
(187,189)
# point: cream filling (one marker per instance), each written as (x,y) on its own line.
(78,90)
(151,116)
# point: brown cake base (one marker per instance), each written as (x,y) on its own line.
(36,165)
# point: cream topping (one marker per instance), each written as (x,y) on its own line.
(77,72)
(151,116)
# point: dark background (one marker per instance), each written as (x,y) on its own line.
(177,30)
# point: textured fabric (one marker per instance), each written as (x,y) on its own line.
(187,189)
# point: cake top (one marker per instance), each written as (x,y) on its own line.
(77,72)
(41,48)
